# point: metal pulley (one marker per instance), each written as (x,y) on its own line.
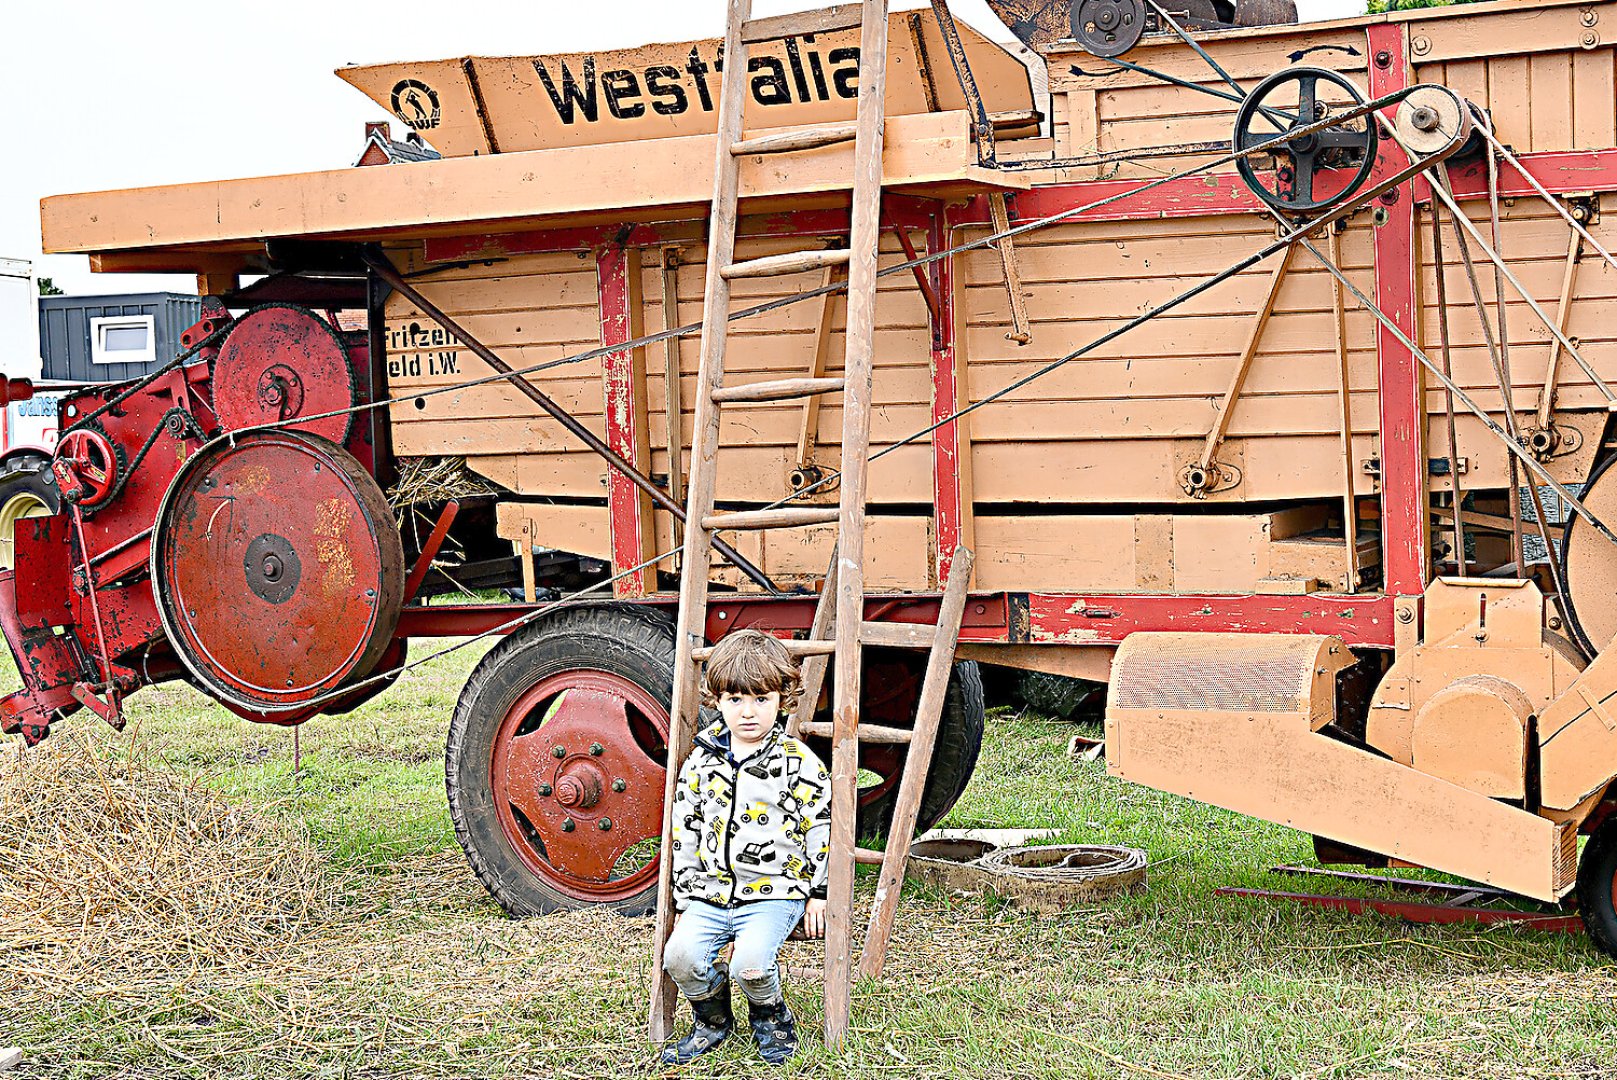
(1290,101)
(281,363)
(1430,119)
(278,570)
(1108,27)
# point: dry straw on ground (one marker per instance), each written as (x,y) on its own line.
(115,869)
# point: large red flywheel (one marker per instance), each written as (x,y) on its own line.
(278,570)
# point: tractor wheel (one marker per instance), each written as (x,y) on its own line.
(1597,887)
(26,491)
(556,760)
(892,692)
(557,757)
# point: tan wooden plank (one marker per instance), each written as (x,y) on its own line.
(898,635)
(868,733)
(1550,83)
(366,204)
(789,142)
(784,518)
(1594,100)
(787,264)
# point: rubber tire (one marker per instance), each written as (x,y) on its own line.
(1595,900)
(629,641)
(28,475)
(960,741)
(1060,696)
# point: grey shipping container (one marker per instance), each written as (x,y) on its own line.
(92,339)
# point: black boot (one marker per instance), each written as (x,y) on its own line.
(774,1029)
(714,1023)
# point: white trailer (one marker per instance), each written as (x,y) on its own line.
(27,428)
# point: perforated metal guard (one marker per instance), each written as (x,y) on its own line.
(1216,673)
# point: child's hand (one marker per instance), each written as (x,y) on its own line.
(814,920)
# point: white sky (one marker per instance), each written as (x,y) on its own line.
(111,94)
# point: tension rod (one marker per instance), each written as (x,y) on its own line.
(385,270)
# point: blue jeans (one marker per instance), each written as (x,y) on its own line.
(758,929)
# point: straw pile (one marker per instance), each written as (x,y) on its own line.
(436,479)
(115,869)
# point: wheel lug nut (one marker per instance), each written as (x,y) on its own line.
(569,825)
(596,749)
(605,824)
(544,789)
(558,751)
(619,785)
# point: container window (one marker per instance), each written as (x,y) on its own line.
(123,339)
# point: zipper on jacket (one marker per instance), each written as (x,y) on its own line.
(729,824)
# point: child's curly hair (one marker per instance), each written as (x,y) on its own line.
(752,662)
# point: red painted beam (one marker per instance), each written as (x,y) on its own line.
(1089,619)
(1438,914)
(617,268)
(951,496)
(1404,537)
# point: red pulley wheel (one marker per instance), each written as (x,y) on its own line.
(278,569)
(279,363)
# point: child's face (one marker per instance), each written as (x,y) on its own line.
(749,716)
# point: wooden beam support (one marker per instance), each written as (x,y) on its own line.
(623,386)
(1569,280)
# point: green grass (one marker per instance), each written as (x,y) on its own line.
(419,974)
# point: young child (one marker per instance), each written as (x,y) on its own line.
(752,825)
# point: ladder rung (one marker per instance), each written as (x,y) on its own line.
(785,518)
(794,648)
(797,23)
(780,390)
(868,733)
(898,635)
(793,262)
(867,857)
(786,142)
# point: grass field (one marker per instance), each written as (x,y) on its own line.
(411,971)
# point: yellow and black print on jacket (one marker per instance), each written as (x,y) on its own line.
(754,829)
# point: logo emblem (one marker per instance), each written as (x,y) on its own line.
(416,104)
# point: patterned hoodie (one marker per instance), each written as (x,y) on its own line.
(754,829)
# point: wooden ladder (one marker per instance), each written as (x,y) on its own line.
(839,628)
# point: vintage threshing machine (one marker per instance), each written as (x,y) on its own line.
(1266,369)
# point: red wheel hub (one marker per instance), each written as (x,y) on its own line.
(94,460)
(578,771)
(280,363)
(278,570)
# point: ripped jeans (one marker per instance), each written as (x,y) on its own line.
(758,929)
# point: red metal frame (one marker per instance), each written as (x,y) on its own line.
(628,506)
(951,494)
(1405,539)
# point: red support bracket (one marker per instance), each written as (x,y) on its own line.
(429,550)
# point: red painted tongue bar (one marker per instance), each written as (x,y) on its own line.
(14,390)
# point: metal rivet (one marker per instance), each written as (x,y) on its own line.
(620,785)
(605,824)
(559,751)
(596,749)
(545,789)
(1383,59)
(568,826)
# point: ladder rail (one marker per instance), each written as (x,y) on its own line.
(858,368)
(693,583)
(917,765)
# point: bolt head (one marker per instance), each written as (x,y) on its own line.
(569,825)
(596,749)
(605,824)
(545,789)
(1405,615)
(620,785)
(558,751)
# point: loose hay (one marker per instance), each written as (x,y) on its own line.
(113,868)
(436,479)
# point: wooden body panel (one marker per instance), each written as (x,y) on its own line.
(1078,479)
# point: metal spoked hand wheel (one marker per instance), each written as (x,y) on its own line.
(1291,101)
